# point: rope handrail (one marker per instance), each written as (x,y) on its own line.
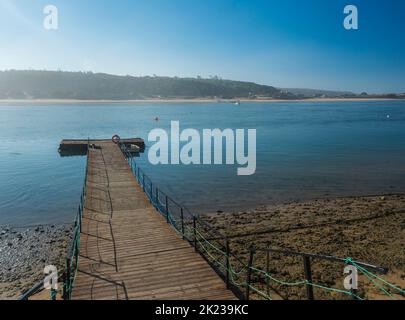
(204,246)
(322,257)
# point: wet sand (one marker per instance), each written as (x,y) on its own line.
(367,229)
(24,252)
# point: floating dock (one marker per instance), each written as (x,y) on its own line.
(76,147)
(127,249)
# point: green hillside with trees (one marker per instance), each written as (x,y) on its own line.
(98,86)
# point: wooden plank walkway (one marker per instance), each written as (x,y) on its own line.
(127,250)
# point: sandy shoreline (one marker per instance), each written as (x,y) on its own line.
(168,101)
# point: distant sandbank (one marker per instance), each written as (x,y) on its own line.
(197,100)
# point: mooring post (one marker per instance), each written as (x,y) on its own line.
(182,223)
(308,277)
(249,273)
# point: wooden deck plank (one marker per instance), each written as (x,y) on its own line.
(127,250)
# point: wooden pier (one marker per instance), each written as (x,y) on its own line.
(127,249)
(76,147)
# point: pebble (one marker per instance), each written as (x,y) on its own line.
(24,252)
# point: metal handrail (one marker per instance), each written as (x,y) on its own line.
(73,251)
(35,289)
(224,269)
(165,208)
(378,269)
(72,259)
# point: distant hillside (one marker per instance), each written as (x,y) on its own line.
(94,86)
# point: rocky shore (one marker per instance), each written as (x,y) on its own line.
(368,229)
(25,251)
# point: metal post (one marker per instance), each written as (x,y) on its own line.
(167,210)
(354,294)
(157,199)
(80,219)
(64,294)
(67,294)
(228,264)
(195,232)
(151,192)
(249,273)
(308,277)
(182,222)
(268,271)
(143,182)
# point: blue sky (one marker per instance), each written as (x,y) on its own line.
(285,43)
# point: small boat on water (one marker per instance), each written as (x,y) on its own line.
(237,103)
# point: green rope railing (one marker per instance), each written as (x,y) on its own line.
(235,276)
(74,253)
(371,275)
(210,244)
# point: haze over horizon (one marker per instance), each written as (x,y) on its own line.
(285,44)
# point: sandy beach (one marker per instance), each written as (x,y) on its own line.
(368,229)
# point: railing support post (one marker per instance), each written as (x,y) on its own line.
(182,223)
(157,200)
(67,293)
(167,209)
(249,273)
(308,277)
(354,291)
(64,293)
(195,232)
(151,193)
(268,271)
(228,264)
(354,294)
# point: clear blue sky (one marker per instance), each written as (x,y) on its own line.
(285,43)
